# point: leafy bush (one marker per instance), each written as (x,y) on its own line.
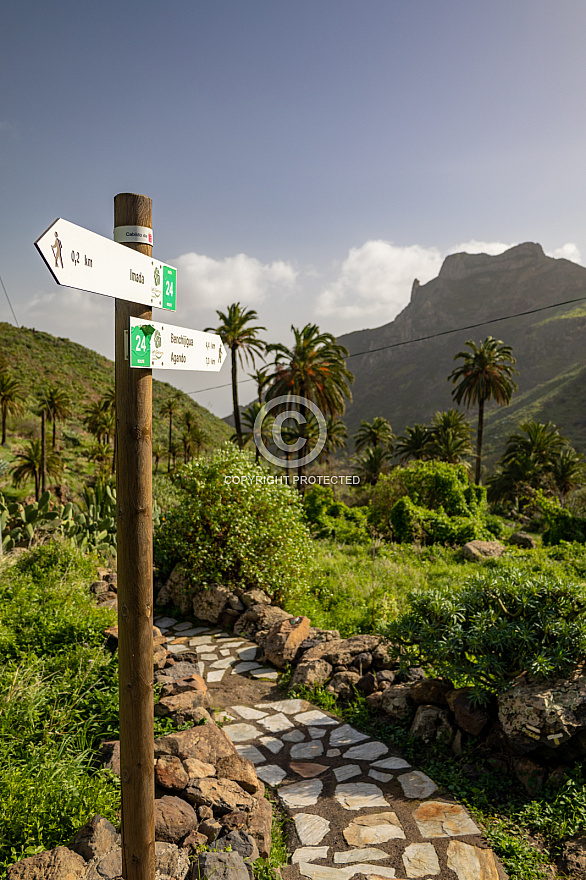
(332,519)
(430,502)
(502,622)
(561,523)
(234,525)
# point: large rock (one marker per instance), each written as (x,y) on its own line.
(260,825)
(256,623)
(396,701)
(177,672)
(476,551)
(182,708)
(221,795)
(105,867)
(238,841)
(524,540)
(431,724)
(177,591)
(283,640)
(255,597)
(340,652)
(171,862)
(206,742)
(470,717)
(96,837)
(109,755)
(219,866)
(311,674)
(174,819)
(431,690)
(385,655)
(159,656)
(170,773)
(545,715)
(239,770)
(344,684)
(55,864)
(530,774)
(181,685)
(573,858)
(209,603)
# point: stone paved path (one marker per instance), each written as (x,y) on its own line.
(358,809)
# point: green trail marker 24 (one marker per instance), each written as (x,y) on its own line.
(161,346)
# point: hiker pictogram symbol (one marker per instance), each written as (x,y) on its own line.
(56,248)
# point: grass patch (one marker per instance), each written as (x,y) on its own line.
(58,698)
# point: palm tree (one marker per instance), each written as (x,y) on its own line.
(43,411)
(30,465)
(379,433)
(568,471)
(249,417)
(314,369)
(337,434)
(486,373)
(169,408)
(108,403)
(449,436)
(414,443)
(536,457)
(262,378)
(12,399)
(58,406)
(539,441)
(373,463)
(99,421)
(158,451)
(244,344)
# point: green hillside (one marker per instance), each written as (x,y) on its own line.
(36,358)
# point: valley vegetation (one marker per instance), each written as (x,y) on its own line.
(384,556)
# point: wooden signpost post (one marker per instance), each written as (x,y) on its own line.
(134,415)
(79,258)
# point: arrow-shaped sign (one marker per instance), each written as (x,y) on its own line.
(161,346)
(82,259)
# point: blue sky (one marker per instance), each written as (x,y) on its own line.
(306,157)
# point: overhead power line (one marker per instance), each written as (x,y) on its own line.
(566,302)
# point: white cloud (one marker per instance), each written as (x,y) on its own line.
(212,284)
(375,280)
(480,247)
(568,251)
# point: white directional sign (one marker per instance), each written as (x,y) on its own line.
(161,346)
(82,259)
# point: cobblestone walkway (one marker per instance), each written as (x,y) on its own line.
(358,808)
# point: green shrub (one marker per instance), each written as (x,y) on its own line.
(234,525)
(329,518)
(561,523)
(430,502)
(502,622)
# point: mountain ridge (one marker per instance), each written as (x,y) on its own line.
(406,382)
